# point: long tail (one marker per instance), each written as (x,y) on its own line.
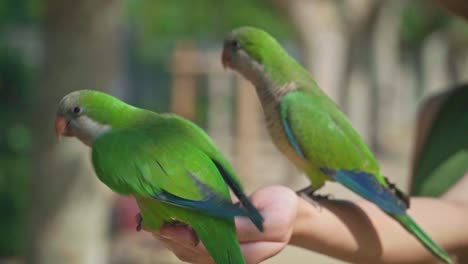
(367,186)
(220,239)
(409,224)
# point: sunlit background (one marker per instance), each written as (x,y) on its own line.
(377,59)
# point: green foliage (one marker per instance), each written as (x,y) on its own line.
(14,78)
(445,175)
(419,20)
(15,145)
(15,138)
(20,11)
(19,138)
(159,24)
(444,156)
(13,199)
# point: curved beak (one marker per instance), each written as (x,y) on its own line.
(226,59)
(61,127)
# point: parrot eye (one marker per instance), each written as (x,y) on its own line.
(77,110)
(235,44)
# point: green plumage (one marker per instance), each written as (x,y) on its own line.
(152,157)
(156,157)
(308,127)
(327,138)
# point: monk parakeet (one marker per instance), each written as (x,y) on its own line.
(168,164)
(308,127)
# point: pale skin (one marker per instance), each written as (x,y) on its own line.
(356,232)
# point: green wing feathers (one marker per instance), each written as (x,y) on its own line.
(325,136)
(328,141)
(203,142)
(169,159)
(147,161)
(218,237)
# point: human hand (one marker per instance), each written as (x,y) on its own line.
(278,206)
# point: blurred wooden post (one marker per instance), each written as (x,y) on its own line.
(386,52)
(458,7)
(69,211)
(183,97)
(220,124)
(186,67)
(247,131)
(359,111)
(323,44)
(435,52)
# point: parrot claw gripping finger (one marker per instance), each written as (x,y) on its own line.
(174,223)
(139,220)
(309,194)
(177,223)
(322,197)
(307,191)
(196,239)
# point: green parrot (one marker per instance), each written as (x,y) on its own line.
(168,164)
(308,127)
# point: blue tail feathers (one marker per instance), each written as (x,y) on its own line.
(366,185)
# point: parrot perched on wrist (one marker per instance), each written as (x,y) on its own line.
(311,131)
(168,164)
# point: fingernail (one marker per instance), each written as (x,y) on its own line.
(165,237)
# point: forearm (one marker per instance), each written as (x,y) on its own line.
(360,232)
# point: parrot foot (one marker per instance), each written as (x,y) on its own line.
(307,191)
(322,197)
(174,223)
(139,220)
(196,239)
(310,194)
(177,223)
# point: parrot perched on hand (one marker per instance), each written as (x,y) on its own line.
(308,127)
(168,164)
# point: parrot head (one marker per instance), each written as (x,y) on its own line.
(86,114)
(249,50)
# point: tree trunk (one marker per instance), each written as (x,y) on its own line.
(458,7)
(386,53)
(69,218)
(320,33)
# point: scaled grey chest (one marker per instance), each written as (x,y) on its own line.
(271,109)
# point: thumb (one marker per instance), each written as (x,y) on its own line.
(278,206)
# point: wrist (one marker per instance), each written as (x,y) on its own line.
(304,224)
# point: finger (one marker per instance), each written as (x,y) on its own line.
(183,234)
(182,252)
(278,206)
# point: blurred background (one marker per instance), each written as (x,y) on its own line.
(377,59)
